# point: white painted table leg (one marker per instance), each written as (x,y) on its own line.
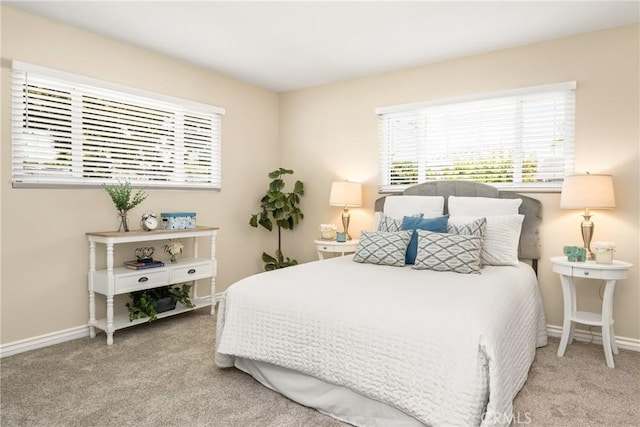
(92,294)
(320,255)
(614,346)
(92,314)
(568,296)
(110,292)
(215,273)
(607,323)
(574,299)
(110,327)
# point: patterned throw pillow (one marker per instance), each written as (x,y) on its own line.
(448,252)
(382,248)
(390,224)
(475,228)
(437,224)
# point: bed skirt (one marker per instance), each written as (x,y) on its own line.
(330,399)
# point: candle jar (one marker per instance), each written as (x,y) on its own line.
(604,256)
(604,252)
(328,231)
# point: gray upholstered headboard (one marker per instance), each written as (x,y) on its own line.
(529,248)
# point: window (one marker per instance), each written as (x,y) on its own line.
(71,130)
(521,139)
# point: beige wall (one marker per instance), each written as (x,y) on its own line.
(325,133)
(44,249)
(330,133)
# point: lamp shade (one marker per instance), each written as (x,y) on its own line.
(587,191)
(345,193)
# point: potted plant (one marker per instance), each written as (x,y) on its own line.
(281,208)
(121,195)
(173,248)
(150,302)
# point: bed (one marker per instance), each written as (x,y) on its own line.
(373,343)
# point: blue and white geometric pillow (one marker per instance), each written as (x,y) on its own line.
(382,247)
(474,228)
(448,252)
(389,224)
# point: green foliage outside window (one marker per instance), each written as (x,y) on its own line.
(495,169)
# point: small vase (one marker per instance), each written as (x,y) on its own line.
(173,258)
(124,224)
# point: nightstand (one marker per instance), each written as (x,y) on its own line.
(589,270)
(331,246)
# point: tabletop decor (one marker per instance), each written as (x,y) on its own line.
(173,248)
(346,195)
(121,195)
(587,191)
(604,252)
(575,253)
(328,231)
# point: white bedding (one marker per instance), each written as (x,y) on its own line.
(435,345)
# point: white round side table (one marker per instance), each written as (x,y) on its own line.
(589,270)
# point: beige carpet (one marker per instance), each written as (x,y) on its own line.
(163,374)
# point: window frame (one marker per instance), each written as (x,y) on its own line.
(188,158)
(418,162)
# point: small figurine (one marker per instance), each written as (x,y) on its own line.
(575,253)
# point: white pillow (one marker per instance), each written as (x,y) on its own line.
(482,206)
(401,206)
(501,238)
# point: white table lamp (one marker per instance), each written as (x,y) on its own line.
(587,192)
(346,195)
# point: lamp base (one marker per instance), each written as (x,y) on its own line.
(587,233)
(346,216)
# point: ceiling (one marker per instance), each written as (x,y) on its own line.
(284,46)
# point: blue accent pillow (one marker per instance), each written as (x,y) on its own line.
(437,225)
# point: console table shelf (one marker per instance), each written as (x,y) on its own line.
(121,321)
(113,281)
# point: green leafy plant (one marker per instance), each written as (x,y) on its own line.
(145,303)
(121,195)
(281,208)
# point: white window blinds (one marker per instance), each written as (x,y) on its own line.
(521,139)
(71,130)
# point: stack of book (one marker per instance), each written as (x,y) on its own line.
(142,263)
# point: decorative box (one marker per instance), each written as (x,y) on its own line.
(178,220)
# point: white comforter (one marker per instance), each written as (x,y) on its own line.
(443,347)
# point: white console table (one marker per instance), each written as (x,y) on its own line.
(120,280)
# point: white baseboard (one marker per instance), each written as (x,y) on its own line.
(594,337)
(53,338)
(46,340)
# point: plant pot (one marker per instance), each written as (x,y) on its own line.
(165,304)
